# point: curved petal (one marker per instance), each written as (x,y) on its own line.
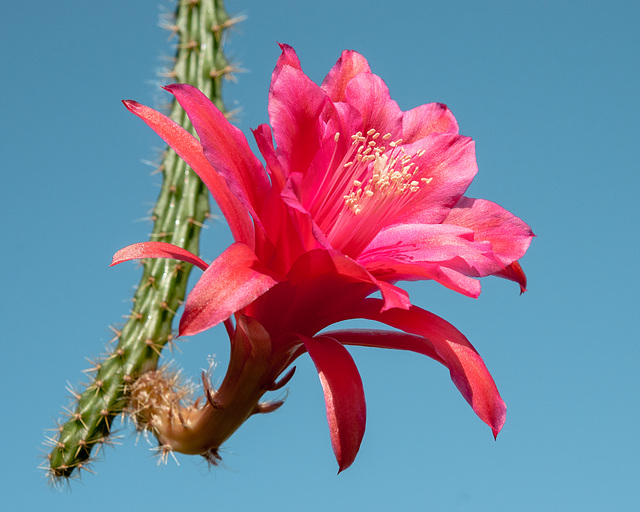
(386,339)
(225,147)
(234,280)
(510,237)
(444,244)
(190,150)
(424,120)
(467,369)
(370,96)
(515,273)
(448,162)
(323,264)
(296,110)
(288,57)
(343,396)
(394,270)
(264,140)
(156,250)
(350,64)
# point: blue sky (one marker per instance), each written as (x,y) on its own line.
(549,93)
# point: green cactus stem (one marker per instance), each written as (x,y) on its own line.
(178,216)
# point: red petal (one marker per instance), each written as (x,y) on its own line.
(343,396)
(156,250)
(386,339)
(190,150)
(467,369)
(225,147)
(234,280)
(515,273)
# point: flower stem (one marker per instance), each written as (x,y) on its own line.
(180,211)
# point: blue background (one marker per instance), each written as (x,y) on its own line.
(550,93)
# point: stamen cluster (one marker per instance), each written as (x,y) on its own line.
(377,179)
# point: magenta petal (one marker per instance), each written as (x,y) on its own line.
(510,237)
(156,250)
(370,96)
(343,396)
(225,147)
(235,279)
(349,64)
(296,110)
(445,244)
(264,140)
(467,369)
(421,121)
(288,57)
(449,163)
(190,150)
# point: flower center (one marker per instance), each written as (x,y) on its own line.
(375,181)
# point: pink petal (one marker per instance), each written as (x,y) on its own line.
(157,250)
(349,64)
(225,147)
(510,237)
(426,119)
(288,57)
(296,107)
(234,280)
(264,140)
(343,396)
(370,96)
(444,244)
(468,371)
(449,162)
(394,270)
(190,150)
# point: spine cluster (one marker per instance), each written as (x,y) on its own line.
(181,209)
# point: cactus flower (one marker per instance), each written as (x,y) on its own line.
(355,196)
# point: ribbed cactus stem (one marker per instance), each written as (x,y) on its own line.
(181,209)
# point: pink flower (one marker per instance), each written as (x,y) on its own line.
(355,196)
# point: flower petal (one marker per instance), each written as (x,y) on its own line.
(370,96)
(190,150)
(225,147)
(443,244)
(296,110)
(264,140)
(394,270)
(386,339)
(468,371)
(157,250)
(510,237)
(349,64)
(234,280)
(424,120)
(515,273)
(448,162)
(343,396)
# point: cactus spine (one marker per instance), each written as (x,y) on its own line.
(181,208)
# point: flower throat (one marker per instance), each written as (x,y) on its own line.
(371,185)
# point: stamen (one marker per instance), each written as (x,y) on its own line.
(366,190)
